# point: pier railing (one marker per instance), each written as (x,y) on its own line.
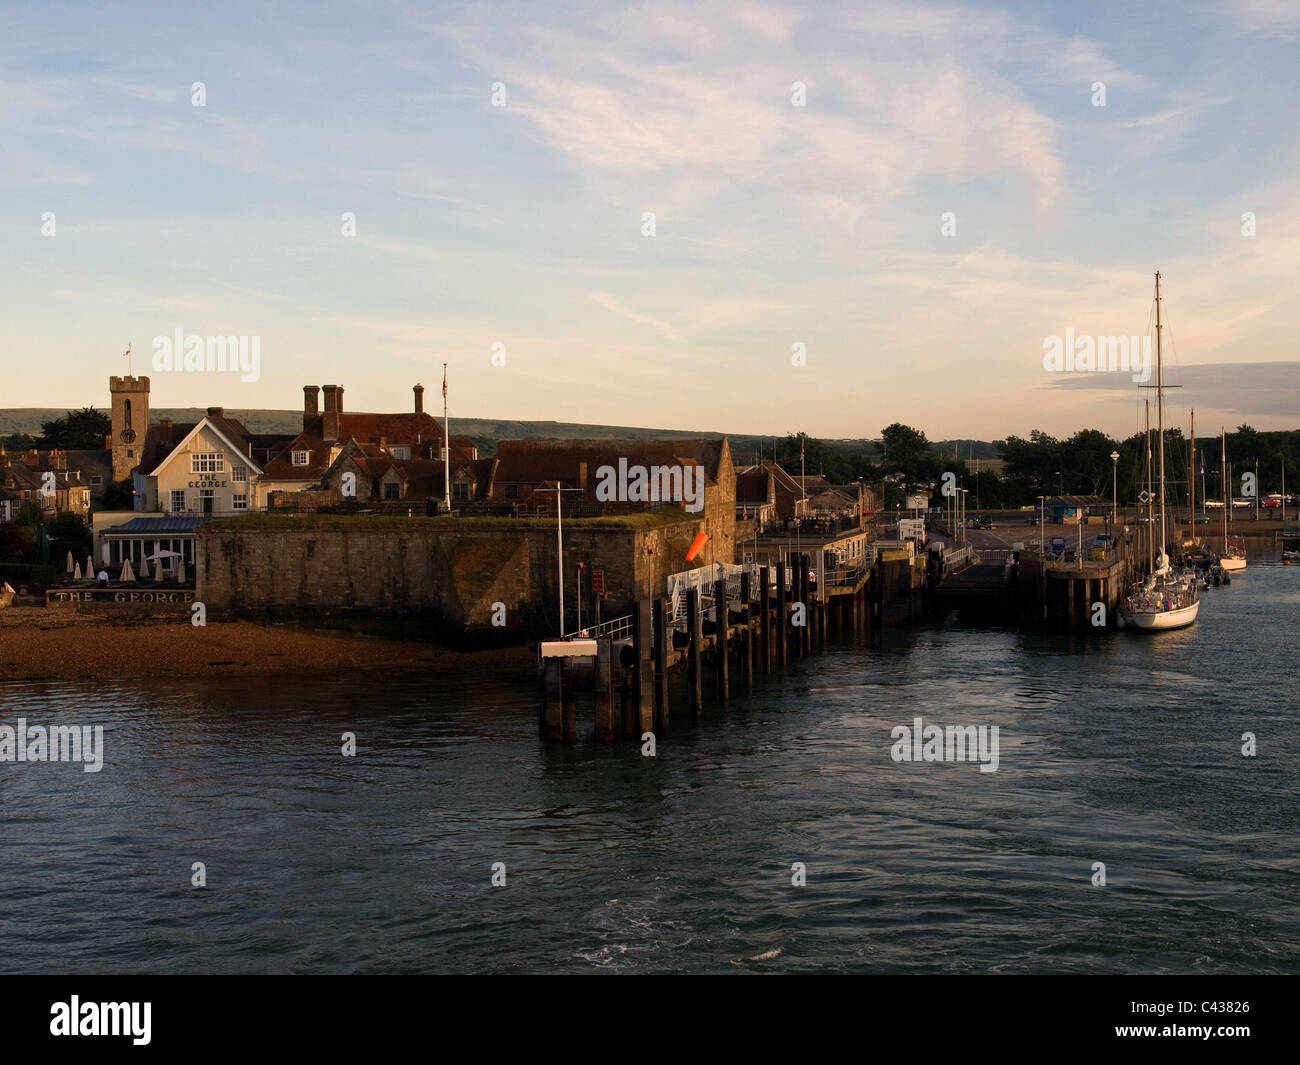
(613,629)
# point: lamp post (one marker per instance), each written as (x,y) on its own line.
(1114,499)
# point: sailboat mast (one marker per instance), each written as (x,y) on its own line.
(1151,551)
(1191,481)
(1160,417)
(1223,476)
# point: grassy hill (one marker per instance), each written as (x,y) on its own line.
(487,431)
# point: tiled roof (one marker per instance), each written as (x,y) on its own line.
(532,462)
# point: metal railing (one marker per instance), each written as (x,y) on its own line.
(614,629)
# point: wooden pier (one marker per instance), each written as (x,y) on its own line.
(752,632)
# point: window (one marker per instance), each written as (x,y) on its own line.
(460,491)
(239,472)
(178,501)
(301,458)
(239,502)
(401,451)
(512,491)
(207,462)
(392,490)
(95,482)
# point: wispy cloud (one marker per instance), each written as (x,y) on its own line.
(614,306)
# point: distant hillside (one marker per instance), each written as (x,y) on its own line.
(484,431)
(487,431)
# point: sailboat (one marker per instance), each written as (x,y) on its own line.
(1233,558)
(1163,600)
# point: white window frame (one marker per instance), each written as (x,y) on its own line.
(300,458)
(174,508)
(239,472)
(402,452)
(239,501)
(207,462)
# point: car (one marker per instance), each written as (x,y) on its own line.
(980,522)
(1032,520)
(1272,502)
(1243,504)
(1214,504)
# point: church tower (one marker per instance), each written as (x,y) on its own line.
(130,422)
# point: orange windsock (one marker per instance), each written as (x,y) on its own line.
(696,546)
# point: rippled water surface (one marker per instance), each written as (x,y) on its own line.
(1120,748)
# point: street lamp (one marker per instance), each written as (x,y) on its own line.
(1114,500)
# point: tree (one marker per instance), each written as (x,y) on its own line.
(17,442)
(15,543)
(69,532)
(29,514)
(1087,462)
(81,430)
(119,495)
(909,453)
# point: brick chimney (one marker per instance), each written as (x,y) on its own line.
(330,416)
(310,405)
(419,398)
(216,412)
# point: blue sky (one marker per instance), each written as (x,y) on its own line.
(775,225)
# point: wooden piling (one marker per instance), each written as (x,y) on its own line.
(764,622)
(800,632)
(782,615)
(551,726)
(720,647)
(644,679)
(747,642)
(605,689)
(659,620)
(694,683)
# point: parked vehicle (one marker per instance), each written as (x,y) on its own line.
(1214,504)
(1243,504)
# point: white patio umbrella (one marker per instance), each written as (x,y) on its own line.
(144,571)
(76,572)
(180,572)
(128,575)
(69,561)
(157,555)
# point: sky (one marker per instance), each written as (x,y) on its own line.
(947,190)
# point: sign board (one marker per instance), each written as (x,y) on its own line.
(598,582)
(568,649)
(918,502)
(909,528)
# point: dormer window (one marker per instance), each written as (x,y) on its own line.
(301,458)
(401,451)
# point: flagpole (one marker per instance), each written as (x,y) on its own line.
(446,435)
